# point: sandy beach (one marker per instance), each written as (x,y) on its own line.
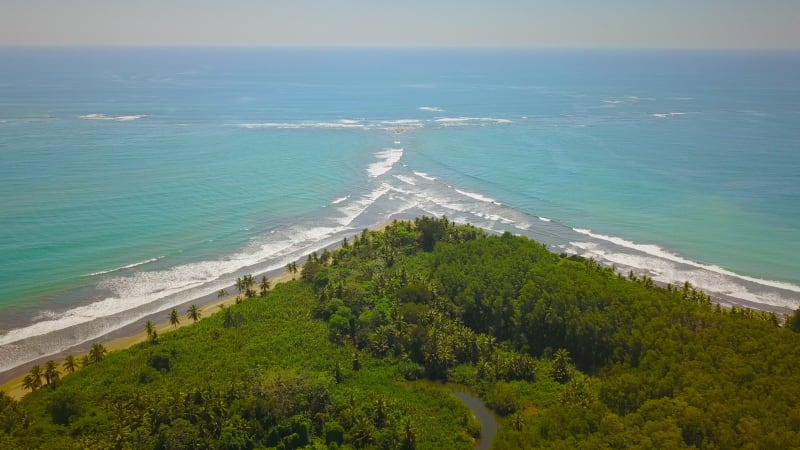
(128,336)
(133,334)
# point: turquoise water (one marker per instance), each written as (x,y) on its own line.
(134,180)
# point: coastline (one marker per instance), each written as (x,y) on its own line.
(129,335)
(125,337)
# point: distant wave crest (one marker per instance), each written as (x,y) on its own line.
(479,197)
(668,115)
(462,121)
(129,266)
(129,118)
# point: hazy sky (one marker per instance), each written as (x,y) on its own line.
(430,23)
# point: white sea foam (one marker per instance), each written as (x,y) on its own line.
(340,200)
(493,217)
(544,219)
(398,126)
(128,118)
(425,176)
(355,208)
(667,271)
(431,108)
(462,121)
(405,179)
(129,266)
(668,115)
(411,122)
(659,252)
(343,124)
(612,102)
(386,160)
(151,291)
(480,197)
(402,191)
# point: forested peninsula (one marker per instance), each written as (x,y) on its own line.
(366,347)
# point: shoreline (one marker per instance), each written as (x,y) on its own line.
(129,335)
(125,337)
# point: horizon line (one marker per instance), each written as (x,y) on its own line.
(382,47)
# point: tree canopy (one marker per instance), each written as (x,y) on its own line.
(568,353)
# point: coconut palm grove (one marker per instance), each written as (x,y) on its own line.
(367,346)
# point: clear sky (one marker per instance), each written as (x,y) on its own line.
(410,23)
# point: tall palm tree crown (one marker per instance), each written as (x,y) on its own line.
(174,320)
(194,313)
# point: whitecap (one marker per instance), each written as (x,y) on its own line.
(129,266)
(462,121)
(405,179)
(425,176)
(340,125)
(340,200)
(479,197)
(128,118)
(387,160)
(668,115)
(431,108)
(544,219)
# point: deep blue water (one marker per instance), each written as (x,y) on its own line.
(132,180)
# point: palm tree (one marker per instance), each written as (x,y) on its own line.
(562,366)
(97,353)
(149,328)
(36,377)
(174,320)
(264,285)
(51,373)
(85,362)
(27,383)
(194,313)
(240,284)
(248,282)
(70,363)
(154,337)
(222,293)
(292,268)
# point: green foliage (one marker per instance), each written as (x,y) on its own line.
(478,310)
(64,407)
(266,381)
(562,366)
(793,322)
(338,359)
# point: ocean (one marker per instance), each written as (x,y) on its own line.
(135,180)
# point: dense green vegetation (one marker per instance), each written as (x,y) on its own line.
(568,353)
